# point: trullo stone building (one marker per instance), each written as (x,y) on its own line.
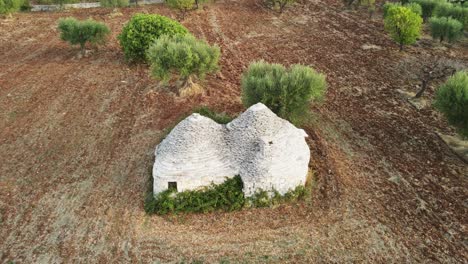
(266,151)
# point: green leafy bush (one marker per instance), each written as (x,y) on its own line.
(184,55)
(428,7)
(415,7)
(287,92)
(403,25)
(454,11)
(79,32)
(114,3)
(452,100)
(227,196)
(142,30)
(9,6)
(446,28)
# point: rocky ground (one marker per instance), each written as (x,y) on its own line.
(77,137)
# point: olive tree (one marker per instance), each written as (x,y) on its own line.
(452,100)
(287,92)
(78,32)
(183,56)
(446,28)
(426,70)
(403,25)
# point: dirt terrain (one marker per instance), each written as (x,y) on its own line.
(77,137)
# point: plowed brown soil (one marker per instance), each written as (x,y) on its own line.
(77,136)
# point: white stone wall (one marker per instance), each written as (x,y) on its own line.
(266,151)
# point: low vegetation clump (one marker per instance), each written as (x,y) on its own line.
(446,28)
(142,30)
(114,3)
(10,6)
(227,196)
(287,92)
(78,32)
(403,25)
(279,5)
(452,100)
(184,56)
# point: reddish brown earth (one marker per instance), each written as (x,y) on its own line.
(77,136)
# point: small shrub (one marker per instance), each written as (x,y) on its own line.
(9,6)
(182,5)
(220,118)
(452,100)
(79,32)
(287,92)
(415,7)
(279,5)
(454,11)
(403,25)
(428,7)
(184,55)
(114,3)
(142,30)
(446,28)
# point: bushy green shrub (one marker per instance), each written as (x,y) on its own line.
(79,32)
(220,118)
(142,30)
(184,55)
(287,92)
(446,28)
(452,100)
(428,7)
(454,11)
(182,5)
(227,196)
(415,7)
(403,25)
(9,6)
(114,3)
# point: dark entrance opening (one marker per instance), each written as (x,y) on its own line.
(172,186)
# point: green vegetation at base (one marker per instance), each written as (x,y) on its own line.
(227,196)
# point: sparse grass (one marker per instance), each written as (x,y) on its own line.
(220,118)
